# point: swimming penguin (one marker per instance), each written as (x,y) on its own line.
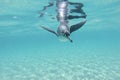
(64,31)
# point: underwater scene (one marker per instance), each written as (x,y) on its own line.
(48,40)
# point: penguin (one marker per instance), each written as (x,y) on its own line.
(65,31)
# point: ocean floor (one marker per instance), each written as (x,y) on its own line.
(60,67)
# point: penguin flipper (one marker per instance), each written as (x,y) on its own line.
(49,30)
(77,26)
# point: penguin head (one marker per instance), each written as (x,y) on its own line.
(66,33)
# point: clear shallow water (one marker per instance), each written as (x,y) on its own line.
(29,53)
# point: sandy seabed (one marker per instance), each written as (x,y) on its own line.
(60,68)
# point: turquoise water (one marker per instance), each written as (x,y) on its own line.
(29,53)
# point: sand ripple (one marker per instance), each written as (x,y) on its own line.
(60,68)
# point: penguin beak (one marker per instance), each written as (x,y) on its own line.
(70,39)
(67,34)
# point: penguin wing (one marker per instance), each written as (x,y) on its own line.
(49,30)
(77,26)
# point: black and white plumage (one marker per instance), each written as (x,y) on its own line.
(63,18)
